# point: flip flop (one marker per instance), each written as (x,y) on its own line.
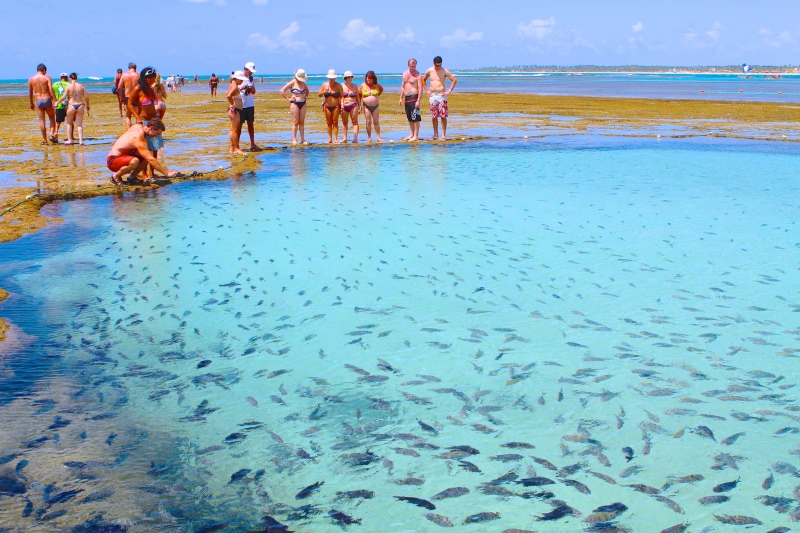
(116,181)
(45,143)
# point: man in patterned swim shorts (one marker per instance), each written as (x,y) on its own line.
(437,95)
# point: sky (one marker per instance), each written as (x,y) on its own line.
(203,36)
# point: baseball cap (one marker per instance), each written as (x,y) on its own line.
(63,75)
(250,66)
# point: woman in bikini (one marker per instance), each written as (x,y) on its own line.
(161,92)
(213,81)
(235,109)
(299,93)
(77,105)
(370,92)
(144,104)
(331,90)
(351,105)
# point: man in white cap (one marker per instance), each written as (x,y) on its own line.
(248,89)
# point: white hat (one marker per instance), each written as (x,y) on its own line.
(347,74)
(239,75)
(300,75)
(332,74)
(250,66)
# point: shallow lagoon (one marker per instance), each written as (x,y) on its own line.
(201,354)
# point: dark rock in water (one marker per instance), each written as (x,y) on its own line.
(59,423)
(98,525)
(308,491)
(481,517)
(419,502)
(64,496)
(28,508)
(342,519)
(36,443)
(9,485)
(8,458)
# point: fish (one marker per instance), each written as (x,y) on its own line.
(355,494)
(419,502)
(705,432)
(557,513)
(577,485)
(252,401)
(518,445)
(64,496)
(452,492)
(342,519)
(628,452)
(727,486)
(481,517)
(727,441)
(677,528)
(738,520)
(439,520)
(426,427)
(308,491)
(535,481)
(709,500)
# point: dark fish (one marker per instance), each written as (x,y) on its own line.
(559,512)
(419,502)
(238,476)
(62,497)
(738,520)
(535,481)
(545,463)
(342,519)
(10,486)
(727,441)
(234,438)
(306,492)
(644,489)
(727,486)
(506,457)
(514,445)
(481,517)
(355,494)
(466,465)
(452,492)
(212,527)
(708,500)
(704,431)
(204,363)
(577,485)
(426,427)
(677,528)
(628,451)
(439,520)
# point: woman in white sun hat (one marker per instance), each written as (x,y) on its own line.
(299,93)
(351,105)
(234,96)
(331,91)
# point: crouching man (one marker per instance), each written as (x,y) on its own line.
(130,154)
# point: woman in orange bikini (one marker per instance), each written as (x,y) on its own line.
(297,105)
(351,105)
(143,103)
(234,96)
(370,92)
(331,90)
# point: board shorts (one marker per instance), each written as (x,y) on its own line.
(116,163)
(438,103)
(248,114)
(61,115)
(412,111)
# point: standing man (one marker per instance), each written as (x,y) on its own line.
(248,89)
(40,88)
(115,90)
(125,86)
(59,88)
(437,95)
(410,95)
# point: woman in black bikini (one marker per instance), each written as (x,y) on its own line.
(78,103)
(331,90)
(213,81)
(351,105)
(299,94)
(370,92)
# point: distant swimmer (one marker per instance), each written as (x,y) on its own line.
(116,90)
(371,91)
(213,83)
(41,96)
(410,96)
(234,96)
(125,86)
(59,88)
(351,105)
(130,153)
(331,91)
(437,95)
(77,106)
(297,103)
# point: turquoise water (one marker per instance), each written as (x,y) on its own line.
(198,356)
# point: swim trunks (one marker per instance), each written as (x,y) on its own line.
(248,114)
(116,163)
(438,103)
(412,111)
(61,114)
(44,103)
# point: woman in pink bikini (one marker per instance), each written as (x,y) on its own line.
(351,105)
(297,103)
(331,90)
(370,92)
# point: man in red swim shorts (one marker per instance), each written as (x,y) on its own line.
(437,95)
(130,154)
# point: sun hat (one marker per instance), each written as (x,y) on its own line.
(332,74)
(347,74)
(239,75)
(250,66)
(300,75)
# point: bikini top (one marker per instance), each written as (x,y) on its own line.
(147,101)
(348,94)
(332,95)
(368,92)
(298,92)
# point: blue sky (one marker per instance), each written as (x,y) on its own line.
(201,36)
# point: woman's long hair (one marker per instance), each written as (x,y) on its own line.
(147,71)
(370,74)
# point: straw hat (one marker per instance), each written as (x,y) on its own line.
(300,75)
(332,74)
(347,74)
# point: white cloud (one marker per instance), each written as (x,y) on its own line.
(459,37)
(284,39)
(714,34)
(358,33)
(407,36)
(637,27)
(538,28)
(260,2)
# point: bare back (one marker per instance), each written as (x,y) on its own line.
(128,80)
(41,85)
(77,93)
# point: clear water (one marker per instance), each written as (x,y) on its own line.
(637,278)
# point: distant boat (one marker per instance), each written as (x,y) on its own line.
(746,68)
